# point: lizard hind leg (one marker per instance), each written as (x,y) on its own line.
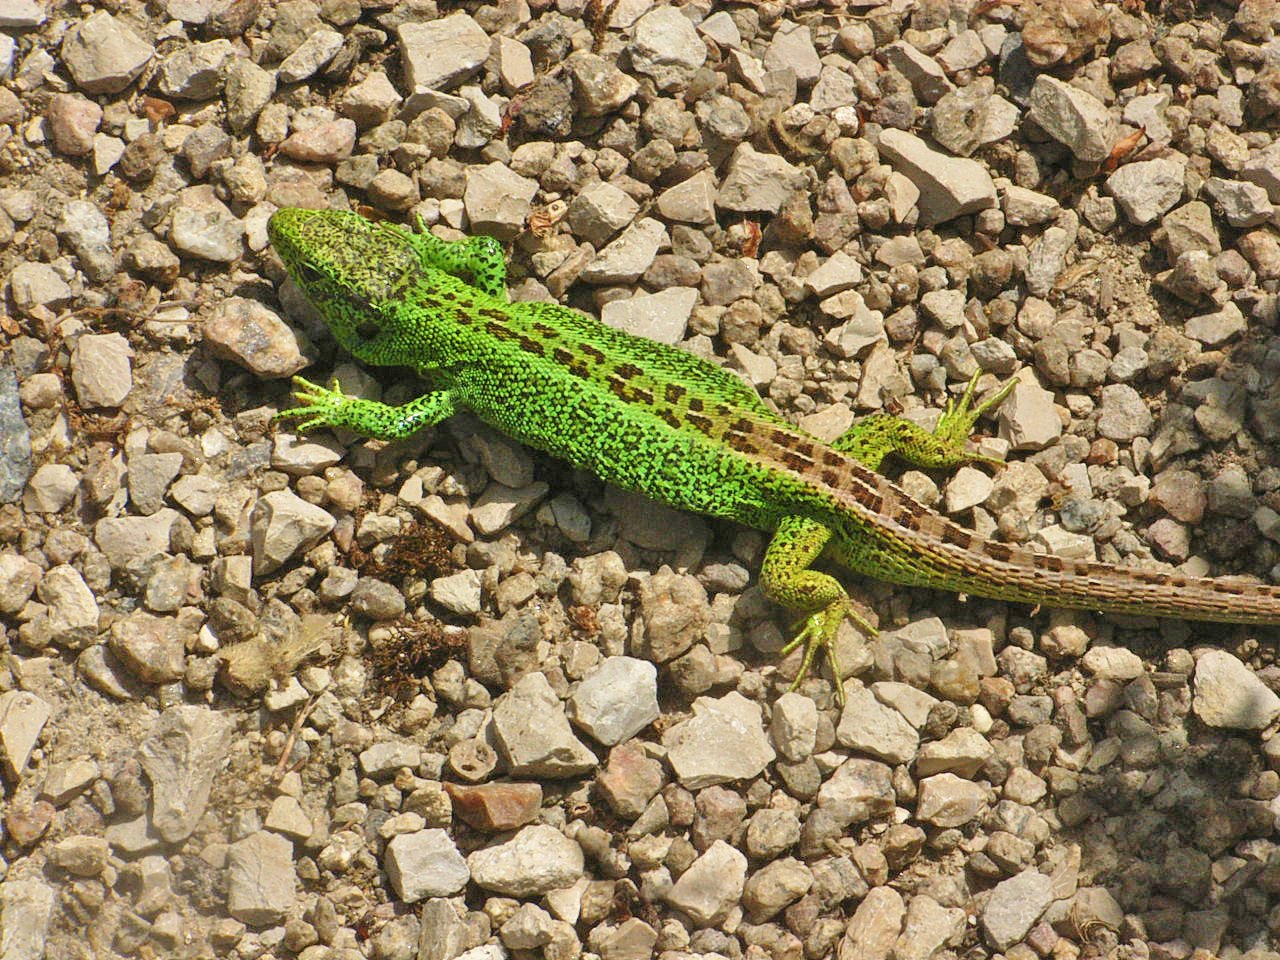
(874,437)
(788,580)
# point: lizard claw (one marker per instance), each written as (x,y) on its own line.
(818,632)
(957,421)
(319,404)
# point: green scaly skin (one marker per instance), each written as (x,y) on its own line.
(660,421)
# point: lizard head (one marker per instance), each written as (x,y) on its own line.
(352,270)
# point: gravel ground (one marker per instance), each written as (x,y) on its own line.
(266,696)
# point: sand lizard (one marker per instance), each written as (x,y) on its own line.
(670,425)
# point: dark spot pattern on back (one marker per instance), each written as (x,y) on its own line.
(700,423)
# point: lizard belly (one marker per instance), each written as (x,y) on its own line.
(623,444)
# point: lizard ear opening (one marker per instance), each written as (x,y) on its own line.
(368,330)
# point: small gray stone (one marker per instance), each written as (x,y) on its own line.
(626,258)
(260,879)
(26,907)
(383,760)
(1217,328)
(924,74)
(1014,907)
(283,525)
(724,740)
(666,47)
(793,728)
(616,700)
(101,369)
(928,928)
(73,610)
(791,48)
(533,734)
(859,790)
(187,747)
(692,200)
(51,488)
(946,800)
(203,227)
(1028,418)
(37,285)
(248,333)
(1243,204)
(963,752)
(1123,414)
(600,211)
(874,927)
(1229,695)
(711,886)
(500,506)
(310,56)
(757,182)
(949,186)
(425,864)
(599,87)
(15,439)
(870,727)
(662,316)
(1146,189)
(459,592)
(18,579)
(498,200)
(149,477)
(195,71)
(1263,168)
(149,647)
(86,230)
(534,862)
(21,14)
(776,886)
(103,55)
(22,717)
(440,54)
(1075,118)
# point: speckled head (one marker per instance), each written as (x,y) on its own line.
(352,270)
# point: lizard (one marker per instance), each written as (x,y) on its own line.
(681,430)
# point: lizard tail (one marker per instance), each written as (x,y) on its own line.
(1011,574)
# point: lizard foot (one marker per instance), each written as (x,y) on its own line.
(818,632)
(321,406)
(957,421)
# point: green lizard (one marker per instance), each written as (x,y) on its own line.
(658,420)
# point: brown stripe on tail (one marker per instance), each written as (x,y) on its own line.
(953,558)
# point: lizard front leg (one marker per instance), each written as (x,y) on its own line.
(476,260)
(787,579)
(873,438)
(330,407)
